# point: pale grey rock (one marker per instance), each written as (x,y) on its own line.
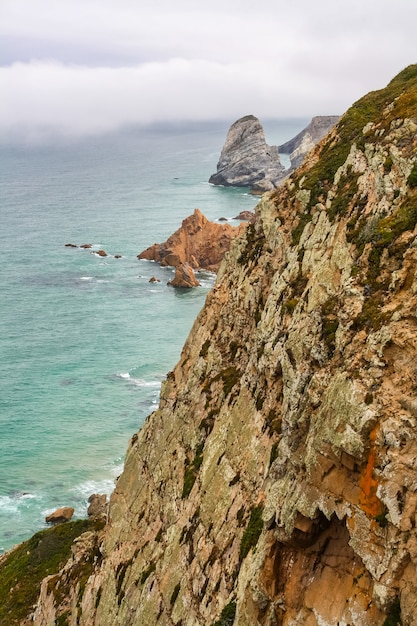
(301,144)
(246,159)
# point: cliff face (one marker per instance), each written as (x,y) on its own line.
(276,484)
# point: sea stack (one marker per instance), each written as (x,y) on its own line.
(246,159)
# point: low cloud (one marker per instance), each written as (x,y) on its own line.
(43,97)
(90,66)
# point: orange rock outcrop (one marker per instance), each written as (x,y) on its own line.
(200,243)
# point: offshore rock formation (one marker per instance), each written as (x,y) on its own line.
(305,141)
(276,484)
(246,159)
(198,242)
(184,277)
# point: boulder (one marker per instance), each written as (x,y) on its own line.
(246,159)
(63,514)
(246,216)
(101,253)
(198,242)
(98,506)
(184,277)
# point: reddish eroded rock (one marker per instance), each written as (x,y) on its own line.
(198,242)
(184,277)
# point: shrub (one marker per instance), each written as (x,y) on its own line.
(227,616)
(23,569)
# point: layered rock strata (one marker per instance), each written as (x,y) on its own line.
(276,484)
(246,160)
(198,242)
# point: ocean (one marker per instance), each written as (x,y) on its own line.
(85,340)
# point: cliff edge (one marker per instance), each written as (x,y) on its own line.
(276,482)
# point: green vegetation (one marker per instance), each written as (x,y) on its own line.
(230,377)
(371,316)
(388,164)
(391,227)
(305,218)
(289,305)
(274,453)
(254,246)
(348,188)
(412,179)
(381,518)
(227,616)
(23,570)
(191,471)
(252,532)
(393,617)
(402,93)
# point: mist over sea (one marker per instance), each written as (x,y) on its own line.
(85,341)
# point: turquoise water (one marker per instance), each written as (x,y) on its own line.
(85,340)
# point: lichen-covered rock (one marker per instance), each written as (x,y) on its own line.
(276,483)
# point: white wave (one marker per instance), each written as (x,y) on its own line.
(87,488)
(86,277)
(146,383)
(13,504)
(8,504)
(139,382)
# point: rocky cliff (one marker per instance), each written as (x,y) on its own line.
(301,144)
(246,159)
(276,484)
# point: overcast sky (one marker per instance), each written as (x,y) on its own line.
(86,66)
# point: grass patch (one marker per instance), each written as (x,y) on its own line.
(412,179)
(252,532)
(191,471)
(23,570)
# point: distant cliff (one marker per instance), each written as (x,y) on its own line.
(305,141)
(247,160)
(276,482)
